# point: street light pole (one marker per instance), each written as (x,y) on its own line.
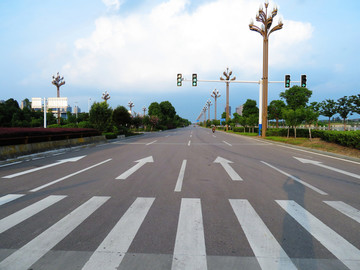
(227,80)
(131,105)
(265,32)
(144,109)
(208,103)
(58,81)
(215,94)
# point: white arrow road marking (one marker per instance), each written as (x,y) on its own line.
(141,162)
(74,159)
(68,176)
(318,163)
(225,163)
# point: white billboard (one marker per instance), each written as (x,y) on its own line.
(36,103)
(57,102)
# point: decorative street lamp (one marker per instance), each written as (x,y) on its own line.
(208,103)
(204,110)
(227,79)
(265,31)
(58,81)
(106,96)
(131,105)
(144,109)
(215,94)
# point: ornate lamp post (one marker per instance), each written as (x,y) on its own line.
(105,96)
(215,94)
(58,81)
(131,105)
(144,109)
(227,79)
(266,21)
(204,110)
(208,104)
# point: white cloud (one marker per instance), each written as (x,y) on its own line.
(147,50)
(112,4)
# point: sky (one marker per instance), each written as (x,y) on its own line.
(133,49)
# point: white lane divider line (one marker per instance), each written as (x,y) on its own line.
(189,250)
(9,164)
(189,142)
(112,250)
(336,244)
(267,250)
(296,179)
(180,177)
(68,176)
(9,198)
(214,136)
(151,142)
(39,246)
(345,209)
(18,217)
(227,143)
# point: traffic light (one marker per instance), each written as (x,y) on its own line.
(194,79)
(179,79)
(303,80)
(287,81)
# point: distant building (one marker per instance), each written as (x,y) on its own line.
(77,110)
(229,110)
(239,110)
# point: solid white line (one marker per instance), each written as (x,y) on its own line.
(190,136)
(151,142)
(68,176)
(39,246)
(14,219)
(180,177)
(346,209)
(214,136)
(58,154)
(297,179)
(267,250)
(112,250)
(9,164)
(189,250)
(9,198)
(336,244)
(37,158)
(189,143)
(227,143)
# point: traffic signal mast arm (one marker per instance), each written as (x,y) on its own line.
(222,81)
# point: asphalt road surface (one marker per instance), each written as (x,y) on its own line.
(180,199)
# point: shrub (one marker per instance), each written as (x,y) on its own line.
(110,135)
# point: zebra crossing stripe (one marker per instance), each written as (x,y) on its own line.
(9,198)
(336,244)
(190,251)
(39,246)
(14,219)
(111,251)
(267,250)
(346,209)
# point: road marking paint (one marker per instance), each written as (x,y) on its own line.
(190,136)
(297,179)
(227,143)
(74,159)
(214,136)
(58,154)
(37,158)
(151,142)
(18,217)
(230,171)
(180,177)
(345,209)
(336,244)
(9,164)
(189,143)
(167,136)
(68,176)
(189,250)
(9,198)
(39,246)
(140,163)
(267,250)
(112,250)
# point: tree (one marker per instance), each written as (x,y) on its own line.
(154,120)
(121,116)
(250,108)
(275,110)
(355,100)
(344,107)
(223,115)
(310,116)
(328,109)
(100,116)
(252,120)
(296,97)
(154,109)
(167,109)
(293,118)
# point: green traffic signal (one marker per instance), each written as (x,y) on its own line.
(303,80)
(194,79)
(179,79)
(287,81)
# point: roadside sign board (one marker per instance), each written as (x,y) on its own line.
(36,103)
(57,102)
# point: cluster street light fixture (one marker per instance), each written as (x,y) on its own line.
(131,105)
(105,96)
(227,79)
(215,94)
(144,110)
(58,81)
(208,104)
(266,22)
